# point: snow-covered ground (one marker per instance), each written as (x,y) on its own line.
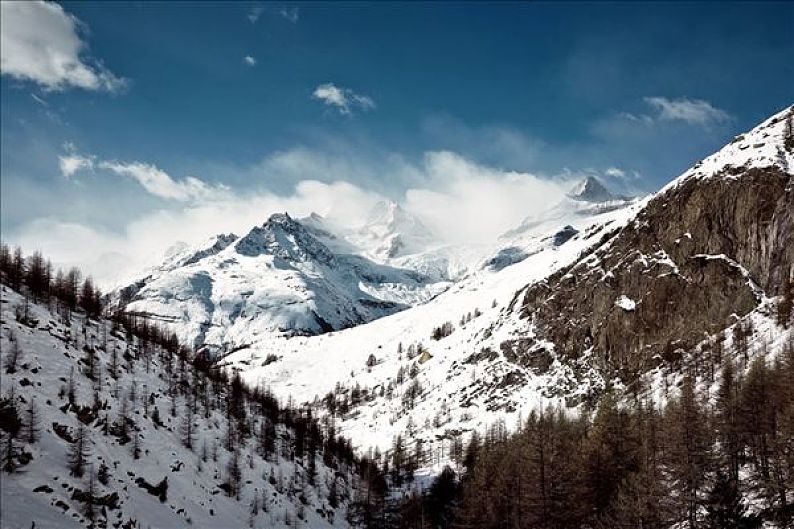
(42,491)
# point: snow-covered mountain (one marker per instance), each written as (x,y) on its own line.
(588,197)
(309,276)
(160,443)
(574,299)
(592,190)
(278,279)
(392,232)
(591,297)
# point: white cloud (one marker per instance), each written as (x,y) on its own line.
(692,111)
(39,42)
(71,163)
(159,183)
(343,99)
(151,178)
(466,202)
(292,14)
(615,172)
(460,199)
(249,60)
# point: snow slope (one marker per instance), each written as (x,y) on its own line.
(459,392)
(42,491)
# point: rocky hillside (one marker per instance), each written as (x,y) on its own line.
(704,252)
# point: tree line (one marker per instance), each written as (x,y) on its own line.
(719,460)
(721,463)
(34,275)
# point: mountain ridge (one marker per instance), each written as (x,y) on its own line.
(279,278)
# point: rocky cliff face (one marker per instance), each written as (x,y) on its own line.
(703,252)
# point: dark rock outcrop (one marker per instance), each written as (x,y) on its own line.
(697,257)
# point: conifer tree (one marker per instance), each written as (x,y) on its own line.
(688,450)
(234,474)
(103,475)
(31,432)
(136,445)
(13,356)
(724,507)
(5,262)
(70,388)
(187,428)
(37,276)
(726,417)
(79,451)
(757,414)
(9,463)
(90,499)
(16,269)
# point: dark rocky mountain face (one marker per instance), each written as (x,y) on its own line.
(700,255)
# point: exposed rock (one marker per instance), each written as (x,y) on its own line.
(506,257)
(564,235)
(704,251)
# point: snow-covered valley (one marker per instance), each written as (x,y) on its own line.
(389,339)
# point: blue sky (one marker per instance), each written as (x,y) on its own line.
(360,101)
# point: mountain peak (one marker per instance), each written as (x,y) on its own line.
(387,212)
(592,190)
(391,231)
(284,237)
(280,219)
